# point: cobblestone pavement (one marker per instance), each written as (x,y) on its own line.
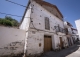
(72,51)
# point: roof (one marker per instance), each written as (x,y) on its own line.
(69,24)
(41,2)
(74,29)
(48,4)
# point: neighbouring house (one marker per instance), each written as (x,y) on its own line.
(75,35)
(68,30)
(44,26)
(77,22)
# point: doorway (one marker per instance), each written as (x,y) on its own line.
(47,43)
(61,42)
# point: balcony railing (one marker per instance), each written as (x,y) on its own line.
(73,33)
(59,29)
(68,32)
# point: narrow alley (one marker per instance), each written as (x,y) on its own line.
(72,51)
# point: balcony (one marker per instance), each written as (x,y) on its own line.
(68,32)
(59,29)
(73,33)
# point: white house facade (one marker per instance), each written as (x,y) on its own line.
(68,29)
(77,22)
(75,35)
(44,28)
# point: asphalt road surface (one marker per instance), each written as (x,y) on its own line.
(72,51)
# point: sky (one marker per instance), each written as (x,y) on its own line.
(70,9)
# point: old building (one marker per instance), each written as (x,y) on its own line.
(77,22)
(68,31)
(75,35)
(44,26)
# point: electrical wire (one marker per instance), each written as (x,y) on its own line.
(15,3)
(30,19)
(13,15)
(25,17)
(10,14)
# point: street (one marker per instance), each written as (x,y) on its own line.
(72,51)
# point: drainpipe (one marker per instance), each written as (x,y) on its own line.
(25,49)
(25,46)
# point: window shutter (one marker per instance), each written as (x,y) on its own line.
(47,24)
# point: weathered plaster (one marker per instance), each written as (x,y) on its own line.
(36,30)
(11,41)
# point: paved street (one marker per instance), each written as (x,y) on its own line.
(72,51)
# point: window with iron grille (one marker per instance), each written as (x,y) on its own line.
(47,24)
(56,28)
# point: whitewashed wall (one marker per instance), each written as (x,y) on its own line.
(77,22)
(75,35)
(39,11)
(65,41)
(69,31)
(75,31)
(11,41)
(68,27)
(35,37)
(26,20)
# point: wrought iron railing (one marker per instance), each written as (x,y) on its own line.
(59,29)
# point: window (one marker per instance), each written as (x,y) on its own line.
(59,28)
(56,28)
(47,24)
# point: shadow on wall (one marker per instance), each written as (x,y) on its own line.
(62,53)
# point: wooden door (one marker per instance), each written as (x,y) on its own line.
(73,40)
(47,43)
(61,42)
(68,41)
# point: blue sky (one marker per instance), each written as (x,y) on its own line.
(69,8)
